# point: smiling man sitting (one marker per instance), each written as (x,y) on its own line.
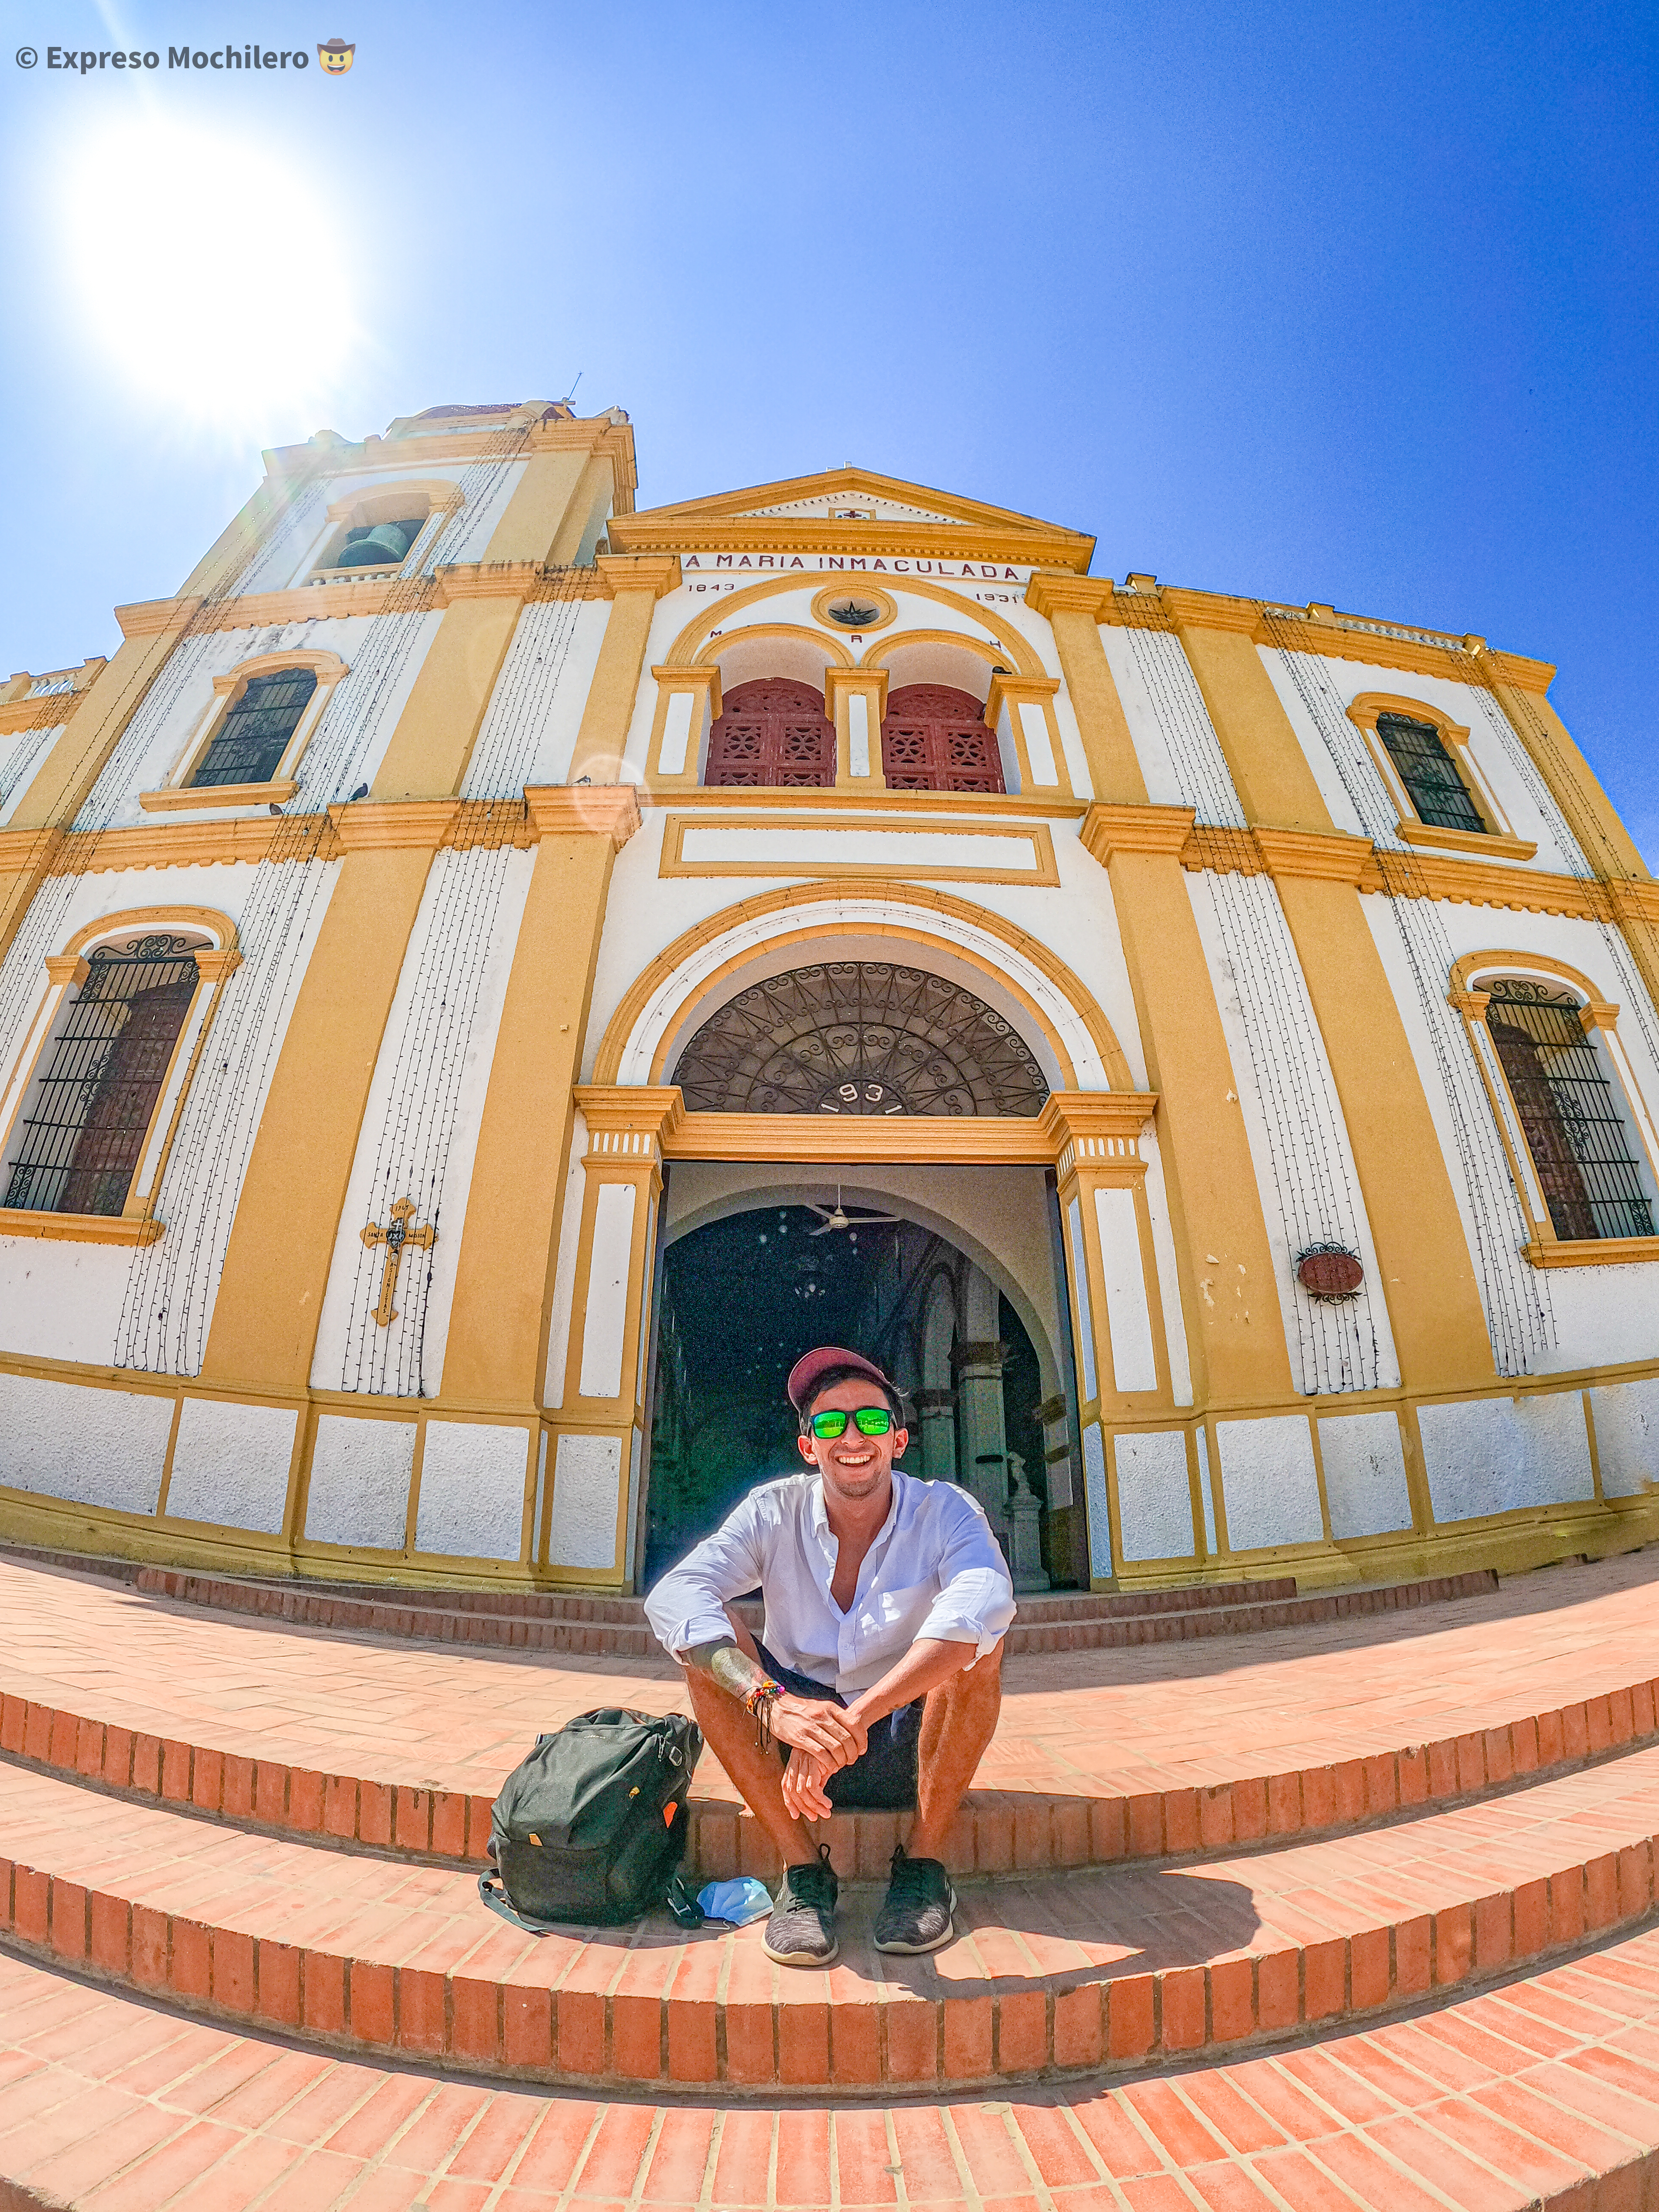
(877,1677)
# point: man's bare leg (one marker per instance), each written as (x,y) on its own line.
(957,1723)
(729,1732)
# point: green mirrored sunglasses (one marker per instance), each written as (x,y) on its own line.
(869,1421)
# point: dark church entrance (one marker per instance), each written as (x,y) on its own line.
(745,1294)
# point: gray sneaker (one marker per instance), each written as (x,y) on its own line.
(801,1931)
(916,1915)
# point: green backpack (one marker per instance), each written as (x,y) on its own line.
(590,1828)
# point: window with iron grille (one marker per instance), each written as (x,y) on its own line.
(1569,1112)
(82,1139)
(1429,774)
(254,734)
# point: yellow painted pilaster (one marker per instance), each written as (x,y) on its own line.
(1229,1292)
(1072,605)
(1428,1279)
(633,583)
(1270,771)
(271,1294)
(509,1245)
(433,741)
(596,1436)
(549,512)
(688,703)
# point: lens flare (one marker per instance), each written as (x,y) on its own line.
(203,264)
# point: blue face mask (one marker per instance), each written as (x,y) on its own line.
(740,1901)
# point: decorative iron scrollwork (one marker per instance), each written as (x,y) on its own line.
(859,1036)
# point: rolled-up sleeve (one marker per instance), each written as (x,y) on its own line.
(688,1606)
(976,1602)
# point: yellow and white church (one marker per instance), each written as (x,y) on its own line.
(489,973)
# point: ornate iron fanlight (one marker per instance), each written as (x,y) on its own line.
(859,1036)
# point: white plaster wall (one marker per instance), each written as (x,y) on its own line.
(1169,725)
(555,651)
(1494,746)
(1364,1464)
(1626,1417)
(1098,1510)
(20,755)
(94,1447)
(586,1495)
(605,1321)
(230,1464)
(359,1475)
(424,1154)
(1494,1455)
(384,655)
(1331,1347)
(1268,1481)
(1154,1503)
(645,916)
(64,1300)
(472,1490)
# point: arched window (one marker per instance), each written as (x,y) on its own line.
(773,732)
(84,1132)
(935,738)
(1430,774)
(253,736)
(1570,1111)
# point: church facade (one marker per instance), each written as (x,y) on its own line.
(1208,1047)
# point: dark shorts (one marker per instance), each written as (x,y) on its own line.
(885,1779)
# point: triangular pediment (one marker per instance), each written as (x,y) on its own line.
(853,509)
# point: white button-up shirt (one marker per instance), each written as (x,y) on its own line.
(933,1569)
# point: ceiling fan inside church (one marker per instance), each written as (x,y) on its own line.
(837,1217)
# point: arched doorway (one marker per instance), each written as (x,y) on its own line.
(744,1293)
(773,732)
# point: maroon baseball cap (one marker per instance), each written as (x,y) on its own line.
(804,1375)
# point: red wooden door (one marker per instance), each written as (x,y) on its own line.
(773,732)
(935,738)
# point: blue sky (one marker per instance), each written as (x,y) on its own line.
(1354,305)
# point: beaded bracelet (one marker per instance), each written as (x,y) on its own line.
(758,1703)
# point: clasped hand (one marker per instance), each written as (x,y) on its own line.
(822,1738)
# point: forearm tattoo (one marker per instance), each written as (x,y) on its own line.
(730,1665)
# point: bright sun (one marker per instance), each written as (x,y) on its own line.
(203,264)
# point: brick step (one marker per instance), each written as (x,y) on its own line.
(1049,1974)
(1106,1621)
(614,1627)
(1000,1830)
(1096,1757)
(1542,2094)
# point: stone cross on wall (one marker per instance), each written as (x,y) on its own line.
(394,1237)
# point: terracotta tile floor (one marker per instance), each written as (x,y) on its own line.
(1543,2093)
(1122,1722)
